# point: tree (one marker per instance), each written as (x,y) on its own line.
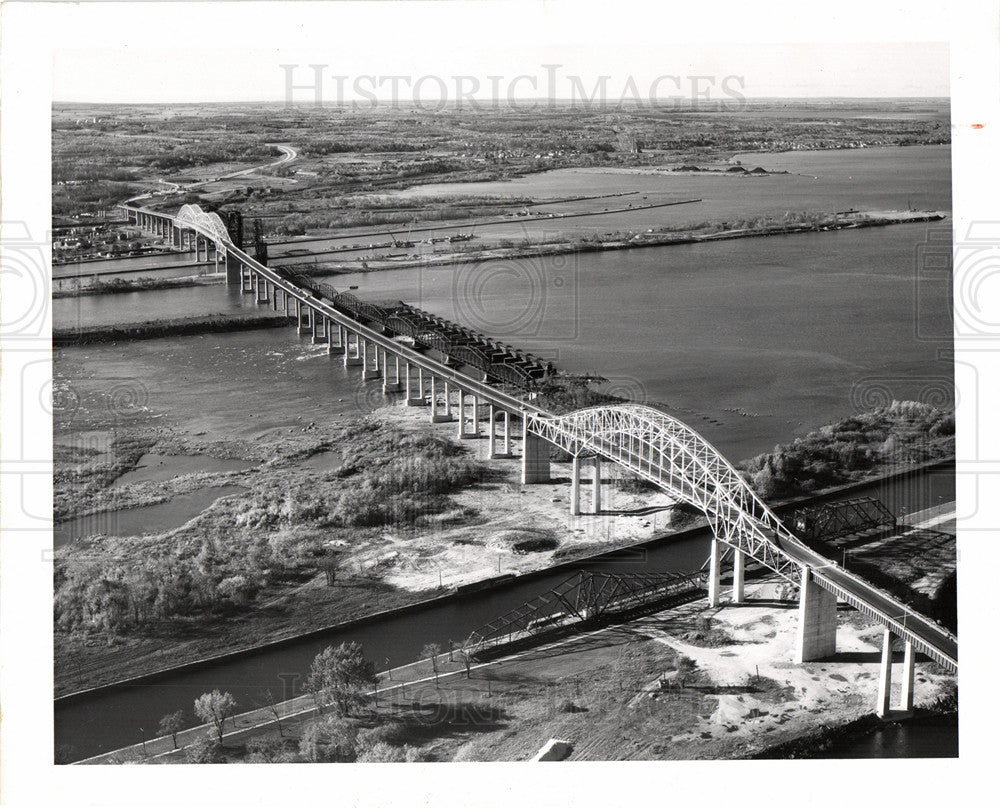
(172,724)
(204,750)
(431,651)
(342,676)
(467,661)
(264,749)
(332,740)
(214,708)
(272,705)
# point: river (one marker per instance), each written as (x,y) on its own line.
(751,342)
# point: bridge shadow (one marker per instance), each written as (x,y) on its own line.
(651,509)
(855,656)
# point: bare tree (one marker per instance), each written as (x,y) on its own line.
(467,661)
(214,708)
(171,724)
(272,705)
(431,651)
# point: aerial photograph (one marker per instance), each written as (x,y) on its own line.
(610,424)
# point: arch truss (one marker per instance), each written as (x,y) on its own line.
(674,457)
(208,224)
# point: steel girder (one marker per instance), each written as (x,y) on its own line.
(661,449)
(582,597)
(836,519)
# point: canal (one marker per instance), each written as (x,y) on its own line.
(89,725)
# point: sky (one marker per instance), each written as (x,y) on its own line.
(560,71)
(182,52)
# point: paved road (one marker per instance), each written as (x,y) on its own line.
(823,568)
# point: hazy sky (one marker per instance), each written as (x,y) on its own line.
(157,52)
(819,69)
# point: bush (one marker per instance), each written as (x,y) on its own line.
(392,732)
(205,749)
(333,740)
(906,431)
(380,752)
(267,749)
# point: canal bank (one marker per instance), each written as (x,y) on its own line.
(631,554)
(107,718)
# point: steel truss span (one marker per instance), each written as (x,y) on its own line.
(208,224)
(664,451)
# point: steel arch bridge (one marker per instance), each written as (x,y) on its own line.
(208,224)
(664,451)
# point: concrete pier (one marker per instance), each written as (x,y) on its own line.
(411,399)
(817,629)
(352,361)
(739,562)
(596,486)
(369,370)
(436,415)
(534,458)
(574,489)
(906,695)
(884,707)
(492,434)
(714,565)
(394,386)
(234,271)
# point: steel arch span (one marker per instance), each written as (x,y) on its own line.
(666,452)
(208,224)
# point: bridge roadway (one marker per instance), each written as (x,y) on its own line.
(929,637)
(916,630)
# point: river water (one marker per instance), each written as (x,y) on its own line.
(751,341)
(819,181)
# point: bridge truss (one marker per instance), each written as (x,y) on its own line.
(664,451)
(833,520)
(208,224)
(584,597)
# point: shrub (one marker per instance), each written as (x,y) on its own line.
(381,752)
(205,749)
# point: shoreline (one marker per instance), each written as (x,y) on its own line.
(637,242)
(853,221)
(154,329)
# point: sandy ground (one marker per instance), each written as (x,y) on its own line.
(452,556)
(828,692)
